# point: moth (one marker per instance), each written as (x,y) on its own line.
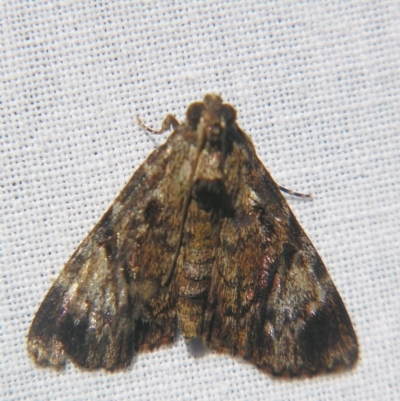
(200,241)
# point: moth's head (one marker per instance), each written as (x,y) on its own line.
(211,116)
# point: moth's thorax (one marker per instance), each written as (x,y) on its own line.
(211,123)
(209,166)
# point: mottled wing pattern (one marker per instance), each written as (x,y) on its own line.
(271,299)
(201,236)
(108,302)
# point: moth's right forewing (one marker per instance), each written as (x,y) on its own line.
(271,299)
(107,302)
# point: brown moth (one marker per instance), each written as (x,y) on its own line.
(201,240)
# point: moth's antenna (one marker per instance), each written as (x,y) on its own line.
(298,194)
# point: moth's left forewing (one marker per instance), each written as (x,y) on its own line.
(108,302)
(271,299)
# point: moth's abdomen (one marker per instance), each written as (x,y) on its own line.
(192,297)
(194,270)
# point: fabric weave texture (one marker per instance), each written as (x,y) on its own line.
(316,85)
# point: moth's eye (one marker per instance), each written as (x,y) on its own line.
(194,113)
(228,114)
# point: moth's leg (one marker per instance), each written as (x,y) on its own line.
(169,121)
(290,192)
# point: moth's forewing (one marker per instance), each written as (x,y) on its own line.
(272,301)
(108,301)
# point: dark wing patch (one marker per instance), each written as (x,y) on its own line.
(108,302)
(271,300)
(86,316)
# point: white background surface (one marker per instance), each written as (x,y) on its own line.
(316,85)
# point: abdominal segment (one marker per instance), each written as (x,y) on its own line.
(194,270)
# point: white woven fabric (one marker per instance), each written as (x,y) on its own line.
(316,85)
